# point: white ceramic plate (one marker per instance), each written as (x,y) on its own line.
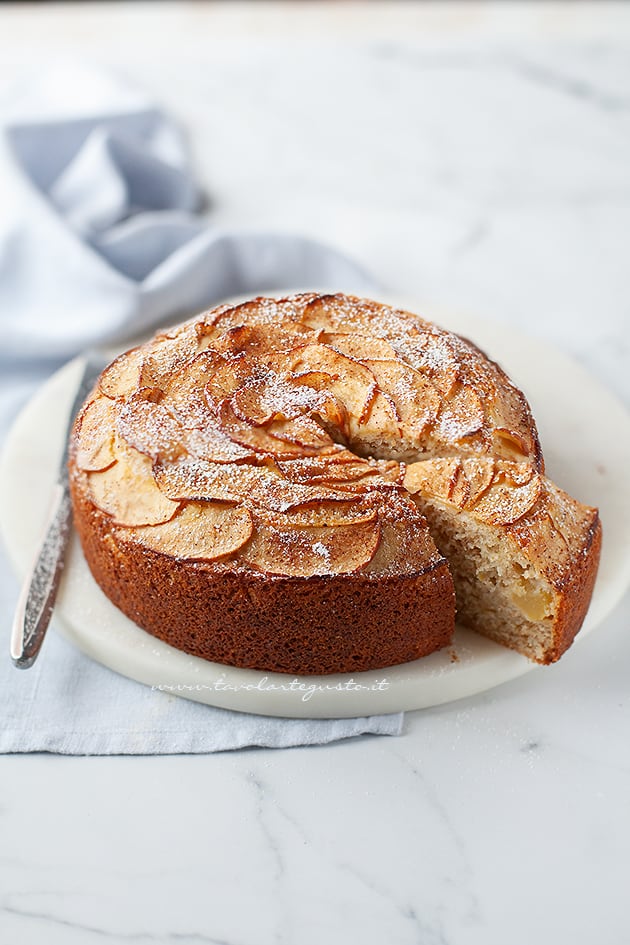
(585,434)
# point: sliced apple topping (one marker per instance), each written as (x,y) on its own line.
(359,347)
(496,491)
(168,355)
(508,444)
(267,312)
(227,376)
(128,492)
(313,550)
(254,402)
(303,431)
(96,436)
(339,472)
(440,478)
(479,472)
(406,544)
(416,399)
(122,377)
(206,325)
(241,339)
(382,417)
(215,446)
(280,495)
(462,482)
(319,314)
(330,410)
(391,323)
(338,313)
(207,333)
(226,482)
(463,415)
(184,391)
(515,489)
(257,438)
(202,531)
(225,436)
(260,341)
(149,428)
(271,397)
(183,328)
(340,466)
(432,353)
(350,382)
(332,512)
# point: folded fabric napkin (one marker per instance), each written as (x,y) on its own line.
(98,233)
(101,239)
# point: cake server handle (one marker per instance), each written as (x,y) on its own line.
(37,599)
(39,592)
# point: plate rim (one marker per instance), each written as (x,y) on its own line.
(507,664)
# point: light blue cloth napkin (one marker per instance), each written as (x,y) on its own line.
(98,233)
(100,239)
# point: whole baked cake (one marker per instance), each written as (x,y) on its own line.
(314,484)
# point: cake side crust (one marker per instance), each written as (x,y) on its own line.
(317,625)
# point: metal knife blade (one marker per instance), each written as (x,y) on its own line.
(39,591)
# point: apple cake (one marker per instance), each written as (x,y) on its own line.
(314,484)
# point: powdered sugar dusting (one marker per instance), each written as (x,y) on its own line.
(244,406)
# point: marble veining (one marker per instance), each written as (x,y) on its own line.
(477,159)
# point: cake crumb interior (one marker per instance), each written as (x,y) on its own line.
(498,593)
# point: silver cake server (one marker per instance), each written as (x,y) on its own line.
(37,599)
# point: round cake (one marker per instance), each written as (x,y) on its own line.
(308,485)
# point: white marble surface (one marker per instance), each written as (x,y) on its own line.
(477,156)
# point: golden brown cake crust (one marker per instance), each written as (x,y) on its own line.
(249,487)
(574,582)
(316,625)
